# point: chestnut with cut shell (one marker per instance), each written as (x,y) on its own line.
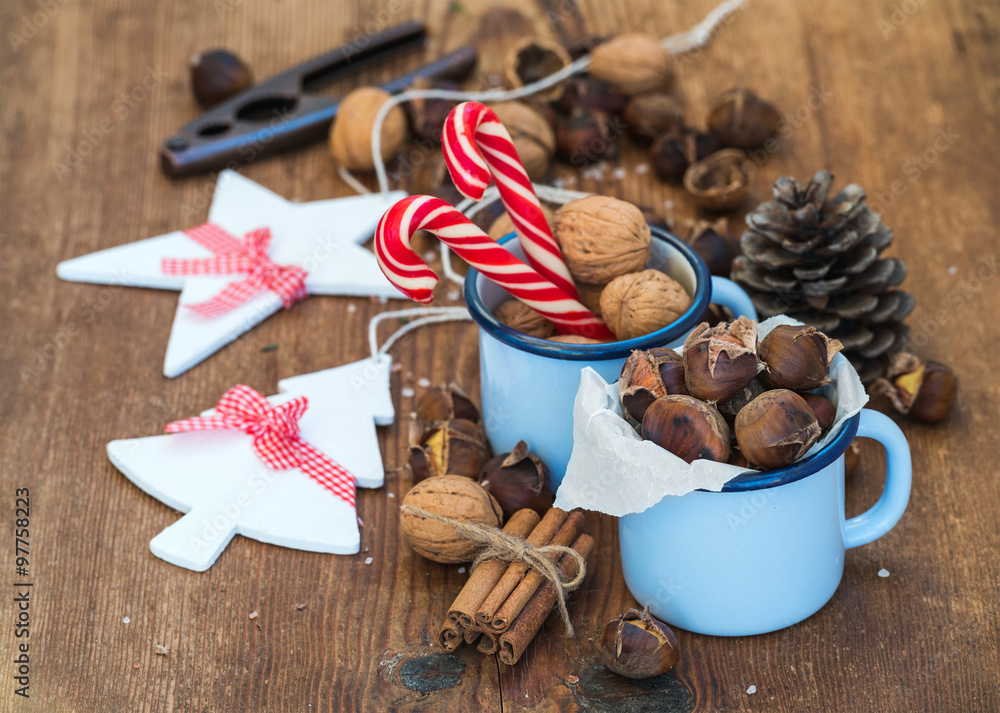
(637,645)
(688,428)
(720,361)
(648,375)
(517,481)
(217,75)
(796,357)
(924,390)
(443,403)
(776,429)
(455,447)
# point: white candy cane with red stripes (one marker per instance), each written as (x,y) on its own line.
(407,271)
(478,149)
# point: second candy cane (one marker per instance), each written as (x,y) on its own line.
(416,280)
(477,148)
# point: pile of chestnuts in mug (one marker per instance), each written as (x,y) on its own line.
(731,398)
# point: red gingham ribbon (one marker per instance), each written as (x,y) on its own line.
(276,439)
(231,257)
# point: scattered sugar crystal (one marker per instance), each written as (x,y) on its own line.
(461,570)
(391,495)
(619,173)
(669,205)
(752,690)
(642,168)
(883,572)
(423,382)
(352,308)
(368,560)
(407,392)
(429,255)
(453,295)
(952,270)
(252,615)
(126,620)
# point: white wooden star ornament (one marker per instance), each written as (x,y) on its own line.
(225,488)
(317,243)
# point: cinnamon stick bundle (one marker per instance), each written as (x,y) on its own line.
(540,536)
(450,636)
(515,640)
(486,575)
(533,579)
(489,644)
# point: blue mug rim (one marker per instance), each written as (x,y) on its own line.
(598,352)
(760,480)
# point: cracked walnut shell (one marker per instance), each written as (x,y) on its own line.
(601,238)
(642,302)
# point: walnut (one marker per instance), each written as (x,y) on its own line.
(633,62)
(351,133)
(453,496)
(601,238)
(517,315)
(533,137)
(642,302)
(503,225)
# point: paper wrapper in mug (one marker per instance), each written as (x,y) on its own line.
(612,470)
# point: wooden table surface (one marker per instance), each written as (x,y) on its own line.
(908,98)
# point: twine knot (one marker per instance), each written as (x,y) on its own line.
(499,545)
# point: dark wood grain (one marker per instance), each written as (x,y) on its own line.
(80,366)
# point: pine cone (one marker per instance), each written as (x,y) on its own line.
(816,259)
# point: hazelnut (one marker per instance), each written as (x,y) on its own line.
(426,116)
(741,119)
(633,62)
(217,75)
(517,481)
(451,496)
(650,375)
(586,136)
(588,93)
(687,427)
(718,181)
(454,447)
(923,390)
(443,403)
(720,361)
(642,302)
(531,59)
(653,114)
(532,136)
(714,245)
(776,429)
(672,153)
(601,238)
(796,358)
(822,408)
(351,132)
(517,315)
(636,645)
(503,225)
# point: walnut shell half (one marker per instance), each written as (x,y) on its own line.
(601,238)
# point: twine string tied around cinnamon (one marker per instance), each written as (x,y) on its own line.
(497,544)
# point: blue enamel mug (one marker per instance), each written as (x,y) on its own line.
(529,384)
(768,550)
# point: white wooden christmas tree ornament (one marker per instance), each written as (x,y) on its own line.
(322,237)
(225,489)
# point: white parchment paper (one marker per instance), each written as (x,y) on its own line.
(612,470)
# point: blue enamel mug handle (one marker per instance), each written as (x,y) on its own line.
(728,294)
(881,518)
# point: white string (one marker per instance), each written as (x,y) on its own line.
(426,315)
(695,38)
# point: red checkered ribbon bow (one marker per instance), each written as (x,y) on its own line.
(276,439)
(233,256)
